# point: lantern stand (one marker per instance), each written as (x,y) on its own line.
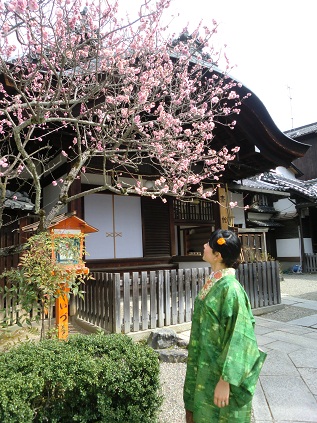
(72,229)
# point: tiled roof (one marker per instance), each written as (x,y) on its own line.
(66,221)
(261,208)
(255,183)
(271,182)
(307,189)
(18,200)
(264,223)
(57,219)
(302,130)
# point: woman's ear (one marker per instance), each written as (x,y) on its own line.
(218,256)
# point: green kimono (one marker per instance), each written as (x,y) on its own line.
(222,344)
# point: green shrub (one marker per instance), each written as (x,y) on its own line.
(96,378)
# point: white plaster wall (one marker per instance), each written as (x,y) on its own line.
(238,212)
(291,247)
(308,245)
(284,206)
(285,172)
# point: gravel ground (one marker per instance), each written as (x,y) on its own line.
(173,374)
(172,380)
(299,286)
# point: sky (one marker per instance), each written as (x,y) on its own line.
(272,46)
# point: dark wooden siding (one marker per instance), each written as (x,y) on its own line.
(289,229)
(197,237)
(307,164)
(156,227)
(193,212)
(10,238)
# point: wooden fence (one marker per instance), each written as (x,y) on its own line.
(261,281)
(147,300)
(310,263)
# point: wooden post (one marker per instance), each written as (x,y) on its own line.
(61,310)
(223,208)
(301,238)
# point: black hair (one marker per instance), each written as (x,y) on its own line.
(228,244)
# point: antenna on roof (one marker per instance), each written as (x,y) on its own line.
(290,101)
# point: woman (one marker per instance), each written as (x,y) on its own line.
(224,361)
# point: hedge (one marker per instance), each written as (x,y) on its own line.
(90,378)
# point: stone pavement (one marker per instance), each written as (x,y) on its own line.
(287,389)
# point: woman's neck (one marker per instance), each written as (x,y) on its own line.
(218,266)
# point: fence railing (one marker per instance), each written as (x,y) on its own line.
(311,263)
(261,281)
(136,301)
(147,300)
(12,312)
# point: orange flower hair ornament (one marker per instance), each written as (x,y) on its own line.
(221,241)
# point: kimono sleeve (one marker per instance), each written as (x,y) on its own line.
(241,360)
(192,361)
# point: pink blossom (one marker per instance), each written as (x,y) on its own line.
(5,29)
(172,107)
(233,204)
(3,162)
(143,95)
(20,169)
(125,113)
(18,6)
(232,95)
(33,6)
(59,13)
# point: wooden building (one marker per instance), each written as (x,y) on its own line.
(139,233)
(144,233)
(283,203)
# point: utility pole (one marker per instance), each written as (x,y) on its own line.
(290,101)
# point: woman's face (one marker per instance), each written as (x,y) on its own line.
(209,255)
